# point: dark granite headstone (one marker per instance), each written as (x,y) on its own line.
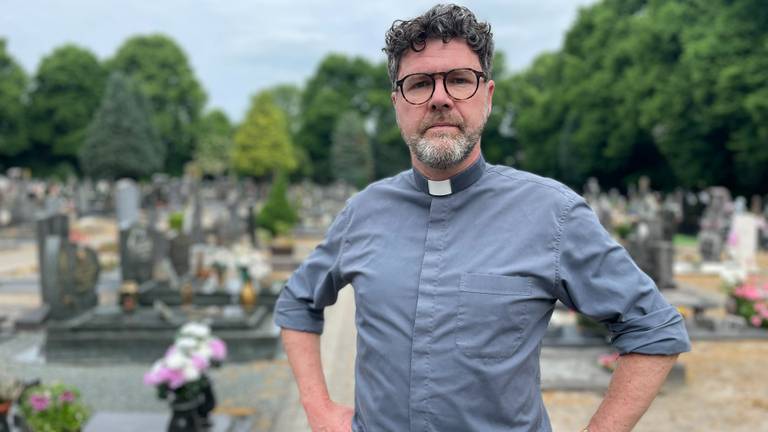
(69,278)
(56,225)
(136,254)
(179,253)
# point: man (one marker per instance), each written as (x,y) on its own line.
(456,267)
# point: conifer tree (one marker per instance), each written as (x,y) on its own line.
(121,140)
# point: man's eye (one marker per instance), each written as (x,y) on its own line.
(419,84)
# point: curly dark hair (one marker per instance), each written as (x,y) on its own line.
(443,21)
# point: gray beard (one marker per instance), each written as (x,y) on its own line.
(442,151)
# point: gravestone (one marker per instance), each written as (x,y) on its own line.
(743,241)
(127,203)
(179,253)
(715,223)
(136,254)
(69,278)
(651,243)
(56,225)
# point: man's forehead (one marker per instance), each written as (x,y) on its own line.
(439,56)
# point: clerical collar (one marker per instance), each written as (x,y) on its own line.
(452,185)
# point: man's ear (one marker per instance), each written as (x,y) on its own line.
(393,95)
(491,88)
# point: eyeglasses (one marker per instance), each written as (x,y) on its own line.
(460,84)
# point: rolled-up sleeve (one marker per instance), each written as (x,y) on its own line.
(316,283)
(598,278)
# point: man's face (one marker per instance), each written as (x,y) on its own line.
(442,132)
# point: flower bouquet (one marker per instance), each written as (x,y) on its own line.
(751,301)
(180,376)
(53,408)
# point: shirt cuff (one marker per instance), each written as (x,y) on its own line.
(659,333)
(295,315)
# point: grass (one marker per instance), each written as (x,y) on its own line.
(685,240)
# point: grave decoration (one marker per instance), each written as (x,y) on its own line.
(749,299)
(54,407)
(181,376)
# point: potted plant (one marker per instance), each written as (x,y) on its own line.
(181,376)
(54,407)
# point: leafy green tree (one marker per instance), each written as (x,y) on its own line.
(288,98)
(262,143)
(497,145)
(161,69)
(121,140)
(670,89)
(390,154)
(214,148)
(278,215)
(13,84)
(340,84)
(66,91)
(352,158)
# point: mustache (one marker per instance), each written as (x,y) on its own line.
(442,120)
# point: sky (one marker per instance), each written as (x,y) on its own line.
(238,47)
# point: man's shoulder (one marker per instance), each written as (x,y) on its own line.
(384,188)
(525,182)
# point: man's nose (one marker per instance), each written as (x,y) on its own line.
(440,99)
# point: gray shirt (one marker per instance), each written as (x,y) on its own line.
(454,293)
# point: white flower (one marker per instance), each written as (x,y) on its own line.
(195,329)
(191,373)
(177,360)
(186,344)
(204,350)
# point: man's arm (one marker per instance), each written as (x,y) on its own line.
(324,415)
(635,383)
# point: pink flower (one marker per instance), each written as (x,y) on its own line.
(748,292)
(756,321)
(200,362)
(175,378)
(39,402)
(67,397)
(218,349)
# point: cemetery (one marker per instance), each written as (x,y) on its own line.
(110,273)
(149,219)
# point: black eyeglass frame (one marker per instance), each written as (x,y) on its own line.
(478,74)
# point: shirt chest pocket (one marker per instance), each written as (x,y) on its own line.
(492,314)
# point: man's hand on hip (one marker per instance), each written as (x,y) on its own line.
(329,417)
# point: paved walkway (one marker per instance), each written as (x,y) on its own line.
(338,353)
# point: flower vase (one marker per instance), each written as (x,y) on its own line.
(208,402)
(185,417)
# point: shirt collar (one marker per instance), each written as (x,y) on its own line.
(452,185)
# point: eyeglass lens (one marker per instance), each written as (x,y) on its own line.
(460,84)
